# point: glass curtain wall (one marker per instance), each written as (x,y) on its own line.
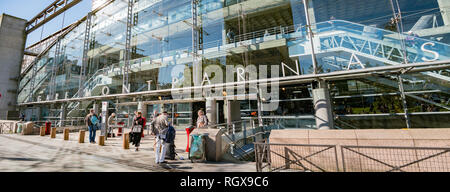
(68,70)
(348,34)
(361,34)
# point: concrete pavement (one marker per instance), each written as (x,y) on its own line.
(41,154)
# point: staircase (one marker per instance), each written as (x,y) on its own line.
(343,39)
(93,86)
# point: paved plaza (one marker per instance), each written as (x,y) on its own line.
(42,154)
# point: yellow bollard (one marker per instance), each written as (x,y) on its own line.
(66,134)
(126,143)
(42,131)
(53,133)
(101,140)
(82,136)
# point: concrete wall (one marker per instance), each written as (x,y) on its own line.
(12,43)
(372,137)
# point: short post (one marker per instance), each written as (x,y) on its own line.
(66,134)
(245,133)
(53,133)
(82,136)
(42,133)
(287,160)
(101,140)
(126,143)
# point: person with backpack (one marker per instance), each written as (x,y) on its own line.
(202,120)
(170,141)
(137,130)
(92,122)
(161,128)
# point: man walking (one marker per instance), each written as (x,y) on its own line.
(161,128)
(91,122)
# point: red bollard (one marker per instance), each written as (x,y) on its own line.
(145,121)
(188,131)
(119,133)
(48,127)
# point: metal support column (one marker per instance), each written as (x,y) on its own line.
(126,67)
(63,115)
(56,61)
(85,55)
(311,36)
(322,106)
(405,106)
(196,65)
(398,21)
(33,80)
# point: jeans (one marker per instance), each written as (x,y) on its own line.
(92,131)
(160,156)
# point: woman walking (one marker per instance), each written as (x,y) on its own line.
(137,130)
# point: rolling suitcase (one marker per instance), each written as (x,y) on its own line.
(170,152)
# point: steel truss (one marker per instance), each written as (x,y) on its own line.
(85,62)
(126,68)
(49,13)
(338,75)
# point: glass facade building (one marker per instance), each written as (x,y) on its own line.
(127,48)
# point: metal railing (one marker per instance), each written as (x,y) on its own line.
(395,159)
(62,123)
(325,158)
(296,158)
(7,127)
(239,137)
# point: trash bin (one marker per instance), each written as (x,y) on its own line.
(48,127)
(197,151)
(19,128)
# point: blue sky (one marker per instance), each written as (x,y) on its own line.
(27,9)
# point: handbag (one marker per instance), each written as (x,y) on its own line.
(137,129)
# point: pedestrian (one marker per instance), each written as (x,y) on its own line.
(230,36)
(411,39)
(99,125)
(22,116)
(152,123)
(111,123)
(91,121)
(202,120)
(131,132)
(161,128)
(137,130)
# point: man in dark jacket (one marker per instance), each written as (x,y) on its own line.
(91,126)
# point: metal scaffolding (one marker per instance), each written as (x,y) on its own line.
(49,13)
(56,62)
(84,64)
(126,67)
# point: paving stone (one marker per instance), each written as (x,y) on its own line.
(42,154)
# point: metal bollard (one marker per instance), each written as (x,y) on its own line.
(53,133)
(66,134)
(101,140)
(82,136)
(126,143)
(42,133)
